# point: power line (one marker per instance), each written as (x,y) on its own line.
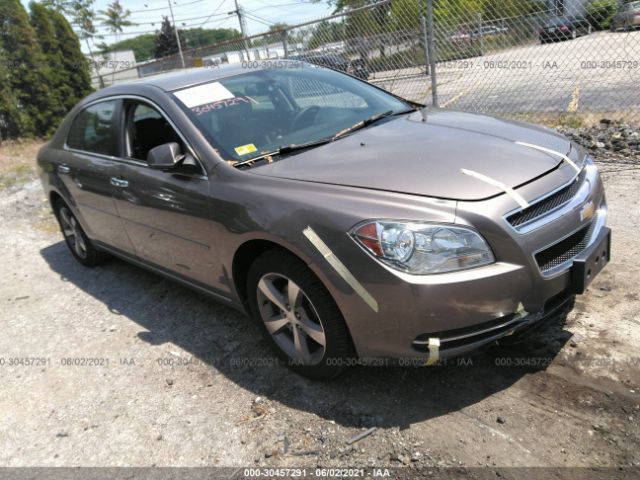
(143,10)
(299,4)
(264,22)
(212,13)
(183,27)
(178,20)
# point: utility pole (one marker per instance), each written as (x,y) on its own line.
(243,28)
(175,28)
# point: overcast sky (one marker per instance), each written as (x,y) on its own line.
(212,14)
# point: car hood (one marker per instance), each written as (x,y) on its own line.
(425,153)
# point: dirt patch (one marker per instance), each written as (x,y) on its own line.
(18,162)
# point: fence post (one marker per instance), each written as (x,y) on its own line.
(285,43)
(432,56)
(481,33)
(423,40)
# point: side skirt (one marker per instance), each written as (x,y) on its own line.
(198,287)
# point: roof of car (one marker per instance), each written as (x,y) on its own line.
(178,79)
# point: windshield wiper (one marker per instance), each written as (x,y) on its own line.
(284,150)
(301,146)
(363,123)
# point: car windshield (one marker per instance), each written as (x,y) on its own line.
(251,114)
(554,22)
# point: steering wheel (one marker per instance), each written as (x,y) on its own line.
(304,117)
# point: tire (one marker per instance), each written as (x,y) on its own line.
(79,244)
(296,328)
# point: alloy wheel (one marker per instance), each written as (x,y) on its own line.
(291,319)
(72,232)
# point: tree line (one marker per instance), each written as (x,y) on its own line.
(43,72)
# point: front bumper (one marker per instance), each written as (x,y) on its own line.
(468,309)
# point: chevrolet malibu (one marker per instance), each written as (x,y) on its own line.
(348,222)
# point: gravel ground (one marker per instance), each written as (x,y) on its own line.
(115,366)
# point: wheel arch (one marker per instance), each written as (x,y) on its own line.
(251,249)
(243,258)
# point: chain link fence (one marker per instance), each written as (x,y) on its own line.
(535,60)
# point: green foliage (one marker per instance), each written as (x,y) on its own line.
(75,65)
(200,37)
(166,43)
(28,73)
(600,13)
(40,19)
(12,120)
(142,46)
(326,32)
(115,17)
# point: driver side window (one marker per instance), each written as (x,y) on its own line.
(146,129)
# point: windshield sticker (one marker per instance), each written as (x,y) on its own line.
(245,149)
(202,94)
(227,102)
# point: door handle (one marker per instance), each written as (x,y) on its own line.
(64,169)
(119,182)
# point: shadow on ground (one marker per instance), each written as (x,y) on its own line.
(222,338)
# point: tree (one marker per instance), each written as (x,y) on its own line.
(29,77)
(46,35)
(12,119)
(166,43)
(76,67)
(142,46)
(83,17)
(115,18)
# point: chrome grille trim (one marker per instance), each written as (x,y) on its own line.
(549,206)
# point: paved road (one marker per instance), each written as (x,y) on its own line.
(598,73)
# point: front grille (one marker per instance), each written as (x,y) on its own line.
(548,204)
(564,250)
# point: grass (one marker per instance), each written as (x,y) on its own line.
(18,162)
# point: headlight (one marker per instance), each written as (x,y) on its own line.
(423,248)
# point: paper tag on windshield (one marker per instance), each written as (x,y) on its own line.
(244,149)
(207,93)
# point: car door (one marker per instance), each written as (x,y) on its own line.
(165,213)
(89,165)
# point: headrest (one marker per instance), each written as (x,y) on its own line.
(259,88)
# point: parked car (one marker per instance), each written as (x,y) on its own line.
(337,61)
(348,222)
(564,28)
(627,18)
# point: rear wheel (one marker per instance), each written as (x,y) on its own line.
(77,241)
(299,318)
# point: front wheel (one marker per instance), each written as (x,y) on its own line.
(299,318)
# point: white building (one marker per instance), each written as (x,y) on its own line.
(113,67)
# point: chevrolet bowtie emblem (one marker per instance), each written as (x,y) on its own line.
(587,211)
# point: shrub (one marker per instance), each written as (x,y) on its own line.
(600,13)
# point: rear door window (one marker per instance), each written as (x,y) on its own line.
(94,129)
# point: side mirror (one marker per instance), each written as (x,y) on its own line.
(165,156)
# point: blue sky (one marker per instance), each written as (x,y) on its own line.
(213,14)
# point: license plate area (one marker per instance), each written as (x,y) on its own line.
(588,264)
